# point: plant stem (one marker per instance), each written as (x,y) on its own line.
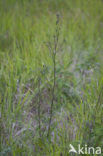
(56,37)
(39,106)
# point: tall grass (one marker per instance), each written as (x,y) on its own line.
(25,27)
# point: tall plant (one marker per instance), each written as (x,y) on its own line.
(53,47)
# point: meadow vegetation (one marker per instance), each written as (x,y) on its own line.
(51,76)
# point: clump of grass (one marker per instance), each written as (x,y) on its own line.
(74,99)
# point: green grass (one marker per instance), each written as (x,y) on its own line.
(25,28)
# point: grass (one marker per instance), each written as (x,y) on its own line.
(25,29)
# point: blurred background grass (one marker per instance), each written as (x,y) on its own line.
(25,27)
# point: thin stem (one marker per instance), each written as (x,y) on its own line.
(39,106)
(53,98)
(56,37)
